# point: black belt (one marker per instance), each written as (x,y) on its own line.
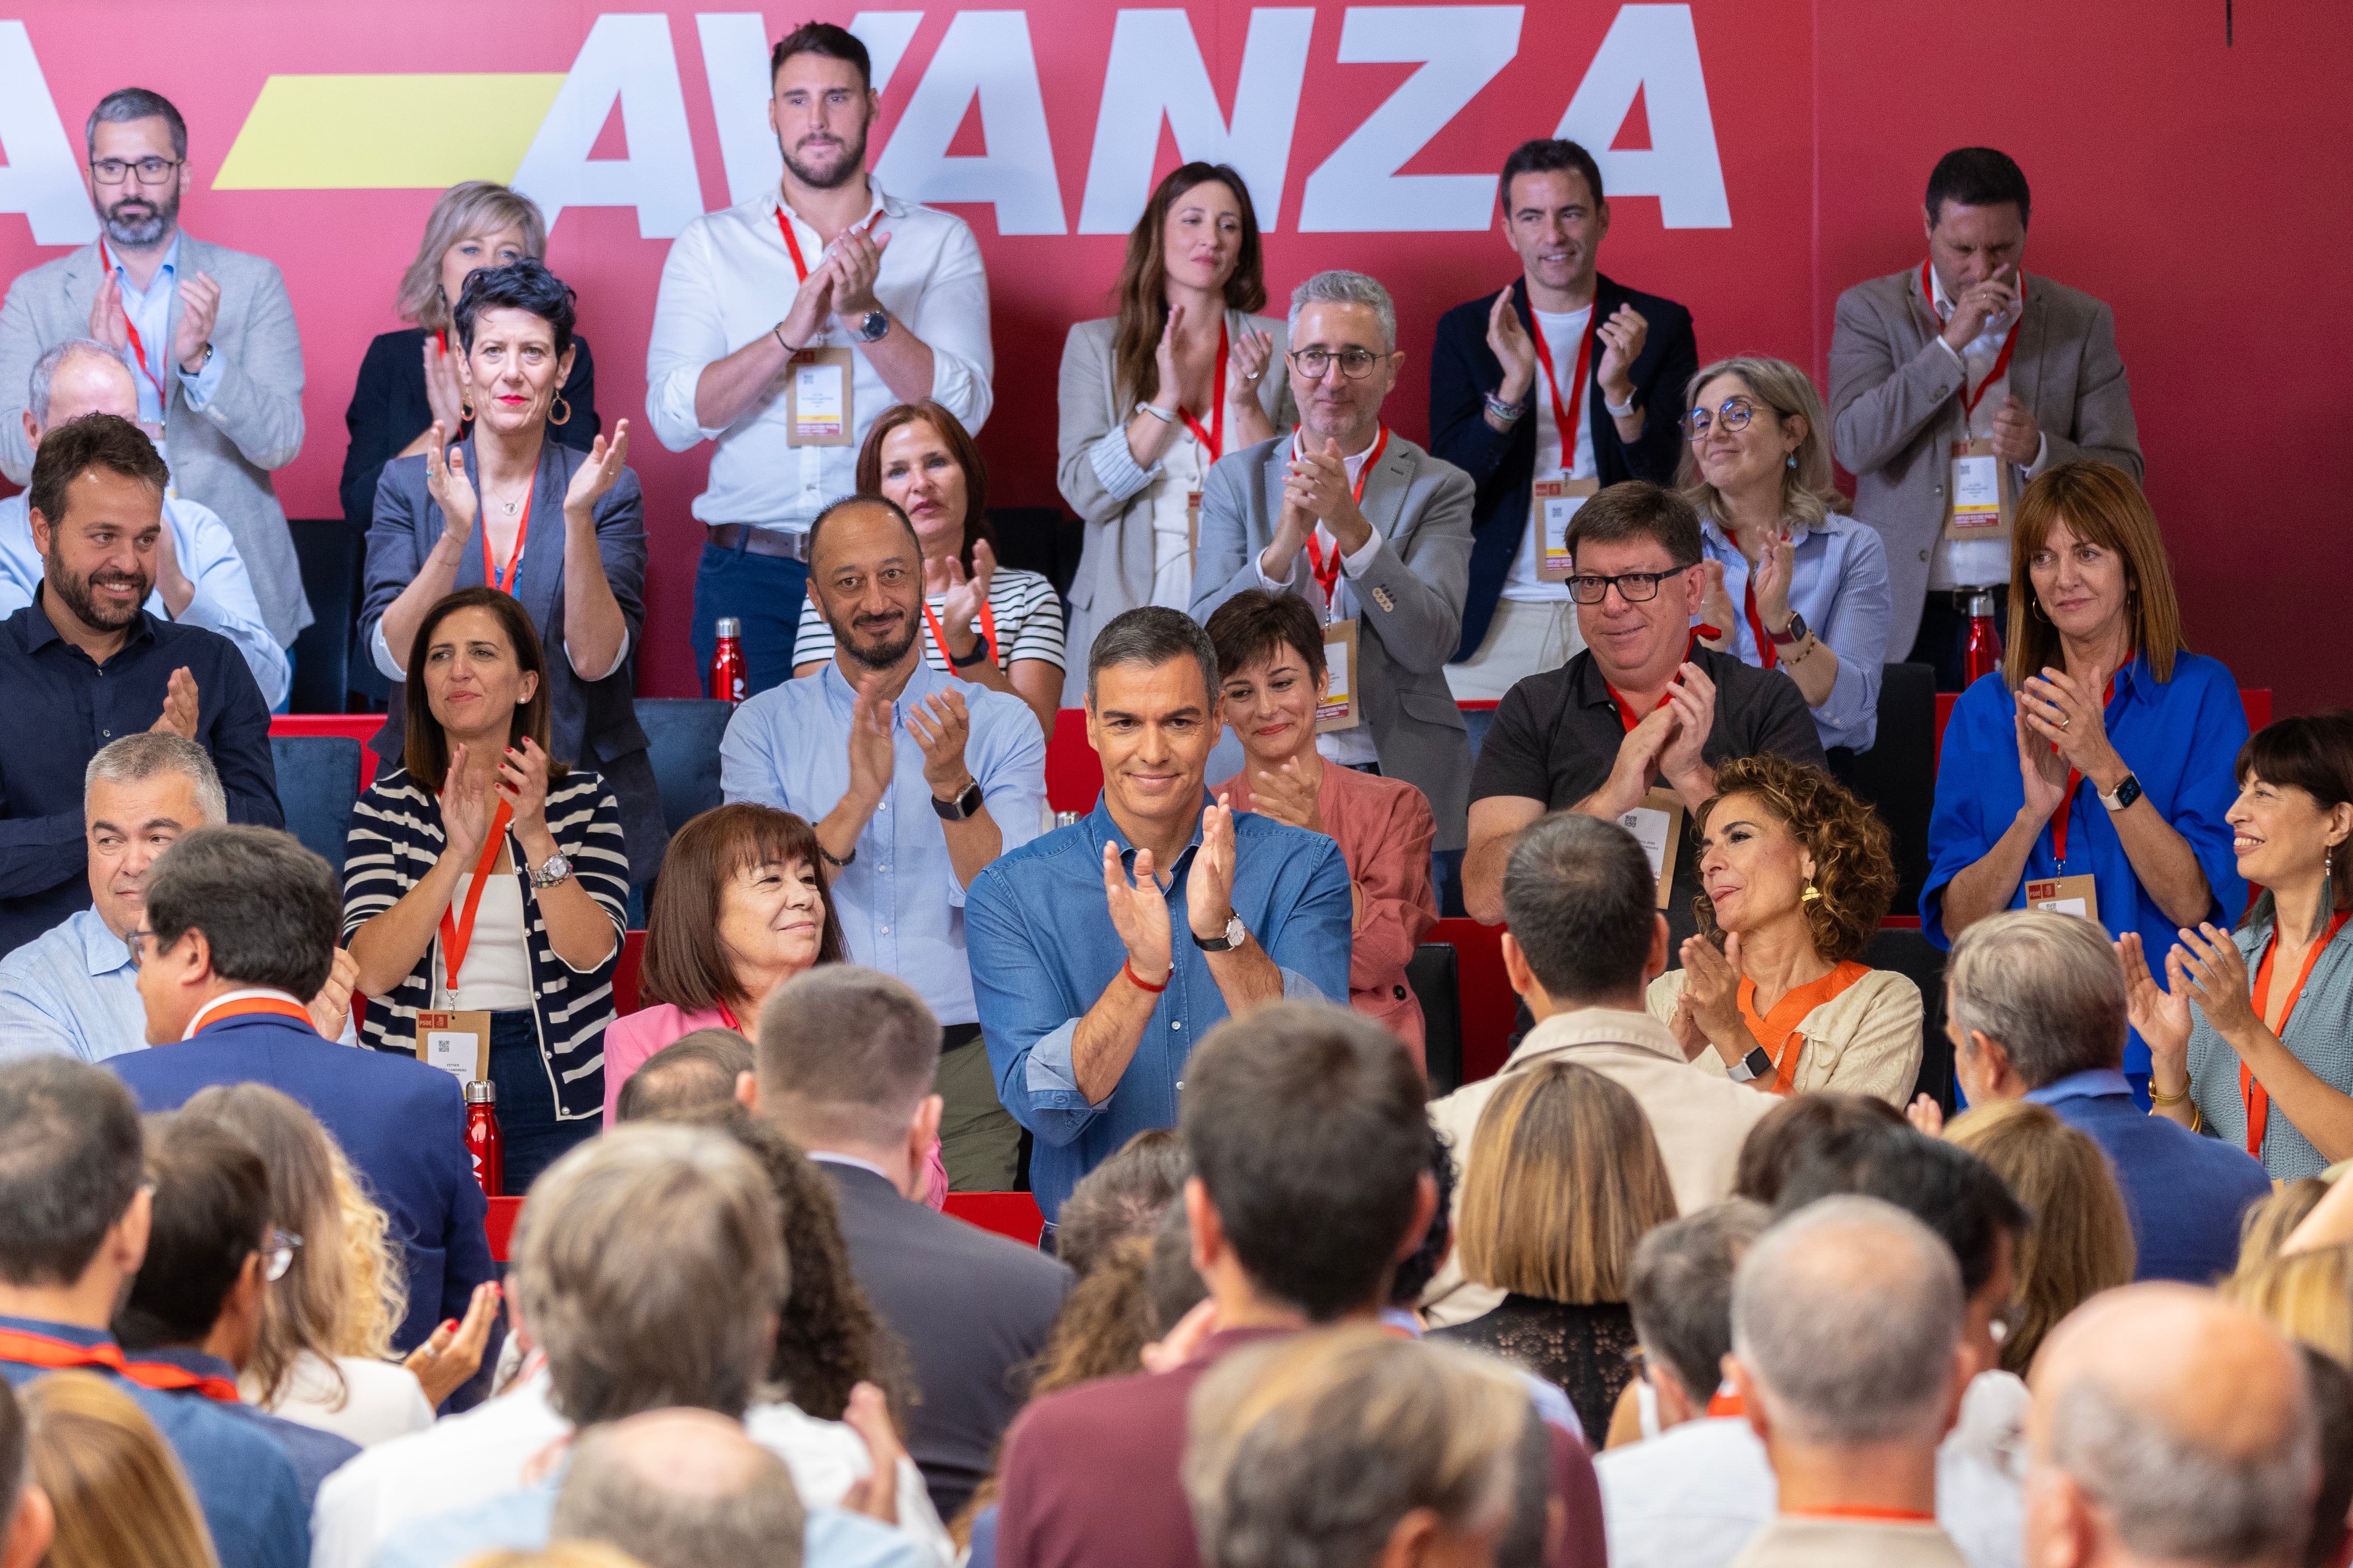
(781,542)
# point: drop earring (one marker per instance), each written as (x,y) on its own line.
(2327,902)
(1793,460)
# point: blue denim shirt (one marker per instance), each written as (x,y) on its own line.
(1043,948)
(1838,581)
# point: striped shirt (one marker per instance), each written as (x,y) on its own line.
(1028,624)
(395,837)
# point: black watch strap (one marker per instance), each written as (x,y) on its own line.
(980,652)
(962,806)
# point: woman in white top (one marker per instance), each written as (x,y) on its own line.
(994,625)
(323,1357)
(1153,397)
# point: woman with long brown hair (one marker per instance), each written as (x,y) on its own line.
(120,1497)
(1153,395)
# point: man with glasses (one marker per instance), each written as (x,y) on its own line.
(1544,393)
(1371,530)
(1633,729)
(207,332)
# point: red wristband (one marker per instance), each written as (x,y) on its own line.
(1127,967)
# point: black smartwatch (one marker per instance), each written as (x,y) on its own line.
(963,806)
(980,652)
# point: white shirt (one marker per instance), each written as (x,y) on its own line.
(375,1400)
(1562,333)
(1349,748)
(497,975)
(729,281)
(1970,564)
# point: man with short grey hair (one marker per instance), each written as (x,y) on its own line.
(1848,1360)
(2034,1005)
(2168,1427)
(682,1488)
(1371,530)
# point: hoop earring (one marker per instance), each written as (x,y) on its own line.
(563,418)
(465,409)
(2034,608)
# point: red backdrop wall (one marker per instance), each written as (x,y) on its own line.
(2199,186)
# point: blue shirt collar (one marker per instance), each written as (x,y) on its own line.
(1103,828)
(101,949)
(1716,534)
(841,695)
(171,263)
(73,1333)
(2093,1084)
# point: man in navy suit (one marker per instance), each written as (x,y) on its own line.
(241,926)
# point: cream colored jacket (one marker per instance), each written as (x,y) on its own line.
(1864,1041)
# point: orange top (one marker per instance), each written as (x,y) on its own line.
(1778,1031)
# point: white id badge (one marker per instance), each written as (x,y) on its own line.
(1556,502)
(1980,491)
(1338,709)
(1657,826)
(818,398)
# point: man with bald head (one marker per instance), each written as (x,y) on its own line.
(200,580)
(2168,1427)
(682,1488)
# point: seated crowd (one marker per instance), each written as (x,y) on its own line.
(1707,1273)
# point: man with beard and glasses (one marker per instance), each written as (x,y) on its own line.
(206,332)
(786,324)
(84,665)
(915,781)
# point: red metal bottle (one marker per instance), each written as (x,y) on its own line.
(482,1137)
(1983,654)
(727,661)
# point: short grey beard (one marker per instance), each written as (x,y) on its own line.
(884,658)
(139,234)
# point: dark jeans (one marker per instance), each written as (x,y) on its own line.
(765,592)
(1944,637)
(529,1137)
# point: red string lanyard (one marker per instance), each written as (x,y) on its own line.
(1857,1510)
(505,584)
(727,1016)
(60,1355)
(1969,400)
(1764,651)
(131,327)
(793,243)
(2075,780)
(1626,714)
(1213,439)
(282,1007)
(987,630)
(458,927)
(2253,1095)
(1328,577)
(1565,415)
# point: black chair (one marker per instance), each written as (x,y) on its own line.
(682,736)
(1898,774)
(318,780)
(1435,974)
(329,555)
(1911,953)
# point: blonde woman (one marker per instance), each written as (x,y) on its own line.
(1565,1178)
(2080,1242)
(2306,1295)
(120,1497)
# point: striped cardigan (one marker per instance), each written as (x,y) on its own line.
(396,838)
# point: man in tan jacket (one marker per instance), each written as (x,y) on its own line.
(1585,939)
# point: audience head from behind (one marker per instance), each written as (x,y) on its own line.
(647,1266)
(477,677)
(2032,996)
(1343,360)
(2170,1427)
(1413,1276)
(2306,1295)
(1581,906)
(139,794)
(1643,540)
(95,502)
(27,1520)
(1976,211)
(234,909)
(1311,1153)
(211,1249)
(2330,1387)
(116,1491)
(1801,1128)
(680,1489)
(1125,1196)
(1175,1285)
(846,1055)
(704,1067)
(2264,1229)
(1348,1448)
(1153,714)
(74,1188)
(1680,1290)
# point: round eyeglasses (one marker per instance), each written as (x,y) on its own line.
(1734,415)
(1315,364)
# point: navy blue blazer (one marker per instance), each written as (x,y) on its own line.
(401,1123)
(1463,370)
(2185,1194)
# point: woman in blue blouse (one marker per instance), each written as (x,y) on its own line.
(1793,582)
(2095,773)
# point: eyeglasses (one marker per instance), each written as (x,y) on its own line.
(279,1255)
(151,171)
(1735,414)
(135,940)
(1634,588)
(1315,364)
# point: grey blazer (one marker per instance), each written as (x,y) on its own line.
(221,454)
(1409,602)
(1896,407)
(1115,571)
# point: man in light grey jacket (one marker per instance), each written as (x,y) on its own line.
(1370,529)
(208,335)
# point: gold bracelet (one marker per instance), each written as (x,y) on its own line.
(2156,1098)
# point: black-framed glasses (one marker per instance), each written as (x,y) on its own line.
(1315,364)
(151,171)
(136,942)
(1634,588)
(1734,414)
(278,1256)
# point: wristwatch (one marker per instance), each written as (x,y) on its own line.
(554,871)
(1236,935)
(980,652)
(1755,1065)
(963,806)
(2124,794)
(1795,633)
(872,325)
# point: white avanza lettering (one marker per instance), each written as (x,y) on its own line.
(986,55)
(1653,50)
(42,178)
(627,58)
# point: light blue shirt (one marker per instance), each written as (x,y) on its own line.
(71,991)
(223,600)
(901,905)
(154,311)
(1838,582)
(2090,1084)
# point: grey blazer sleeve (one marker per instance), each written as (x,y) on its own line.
(1880,399)
(1425,585)
(1085,411)
(394,552)
(20,346)
(2105,430)
(259,402)
(1234,531)
(621,547)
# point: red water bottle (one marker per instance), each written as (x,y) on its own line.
(1983,654)
(482,1137)
(727,661)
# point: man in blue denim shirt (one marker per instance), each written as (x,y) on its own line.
(1089,1003)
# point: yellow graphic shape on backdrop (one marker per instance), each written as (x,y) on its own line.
(387,131)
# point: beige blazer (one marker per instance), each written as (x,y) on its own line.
(1864,1041)
(1791,1542)
(1700,1121)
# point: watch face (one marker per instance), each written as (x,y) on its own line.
(1235,931)
(1796,627)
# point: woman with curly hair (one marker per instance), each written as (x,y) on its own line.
(1797,874)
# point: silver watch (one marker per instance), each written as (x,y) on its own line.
(873,325)
(554,871)
(1236,935)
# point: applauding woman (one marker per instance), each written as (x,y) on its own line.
(2095,774)
(1270,662)
(2252,1036)
(482,875)
(1153,397)
(1797,874)
(561,530)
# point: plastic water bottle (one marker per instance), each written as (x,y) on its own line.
(727,661)
(1983,654)
(482,1137)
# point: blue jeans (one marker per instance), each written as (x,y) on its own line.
(529,1137)
(765,592)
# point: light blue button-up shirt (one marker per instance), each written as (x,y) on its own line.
(71,991)
(901,906)
(154,310)
(1838,581)
(223,600)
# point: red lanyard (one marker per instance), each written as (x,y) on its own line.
(1726,1400)
(1214,438)
(1765,652)
(727,1016)
(132,328)
(1626,714)
(58,1356)
(793,243)
(2256,1098)
(283,1006)
(491,575)
(987,630)
(2075,780)
(1565,417)
(1969,400)
(1883,1515)
(1328,577)
(458,933)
